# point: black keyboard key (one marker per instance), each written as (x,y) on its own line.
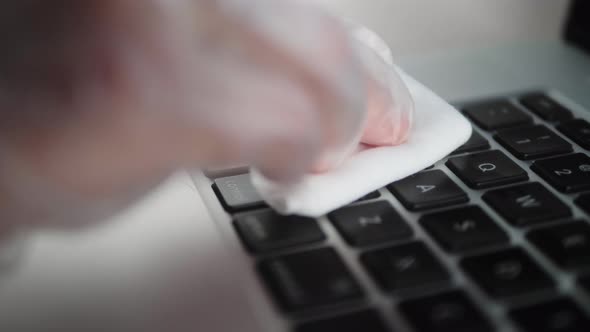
(545,107)
(496,114)
(310,280)
(370,224)
(560,315)
(447,312)
(569,174)
(527,204)
(428,190)
(532,142)
(403,267)
(475,143)
(584,202)
(584,282)
(578,131)
(567,245)
(486,169)
(464,229)
(507,273)
(370,196)
(264,231)
(369,321)
(237,193)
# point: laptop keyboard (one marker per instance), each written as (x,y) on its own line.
(493,238)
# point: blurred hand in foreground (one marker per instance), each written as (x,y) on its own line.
(102,99)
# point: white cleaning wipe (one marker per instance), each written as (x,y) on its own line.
(438,130)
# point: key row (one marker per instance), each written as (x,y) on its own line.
(434,189)
(459,231)
(567,173)
(237,194)
(425,190)
(501,113)
(377,222)
(455,311)
(524,142)
(449,311)
(318,279)
(368,225)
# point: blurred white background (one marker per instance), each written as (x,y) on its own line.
(414,27)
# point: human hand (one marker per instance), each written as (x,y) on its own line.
(102,99)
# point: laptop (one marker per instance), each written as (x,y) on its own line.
(496,237)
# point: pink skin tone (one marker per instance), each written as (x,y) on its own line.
(387,124)
(381,130)
(125,102)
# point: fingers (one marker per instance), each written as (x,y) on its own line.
(320,66)
(123,92)
(116,94)
(390,112)
(261,118)
(389,104)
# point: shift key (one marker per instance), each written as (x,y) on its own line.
(237,193)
